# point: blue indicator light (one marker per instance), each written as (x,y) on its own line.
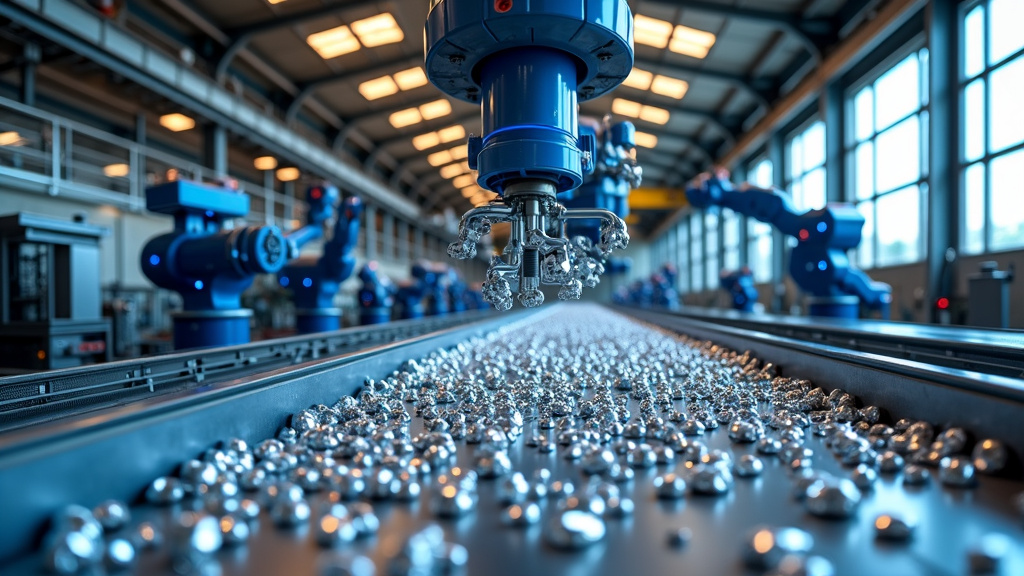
(284,281)
(154,260)
(822,265)
(199,284)
(209,213)
(307,282)
(822,226)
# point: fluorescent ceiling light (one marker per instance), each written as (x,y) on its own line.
(440,158)
(451,133)
(378,30)
(646,140)
(287,174)
(691,42)
(626,108)
(275,1)
(436,109)
(378,88)
(411,78)
(651,31)
(452,170)
(333,42)
(424,141)
(11,139)
(639,79)
(632,109)
(464,181)
(406,117)
(265,163)
(177,122)
(671,87)
(116,170)
(654,115)
(470,191)
(460,152)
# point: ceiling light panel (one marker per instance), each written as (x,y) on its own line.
(288,174)
(424,141)
(451,133)
(116,170)
(464,181)
(651,31)
(654,115)
(646,140)
(406,117)
(624,107)
(691,42)
(639,79)
(436,109)
(333,42)
(177,122)
(440,158)
(378,88)
(411,78)
(378,30)
(452,170)
(265,163)
(671,87)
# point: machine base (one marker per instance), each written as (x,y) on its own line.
(209,329)
(834,307)
(317,320)
(379,315)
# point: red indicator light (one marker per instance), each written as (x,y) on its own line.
(804,235)
(942,303)
(316,193)
(502,5)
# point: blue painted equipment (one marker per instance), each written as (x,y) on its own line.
(208,265)
(528,64)
(377,296)
(818,264)
(457,291)
(413,292)
(663,283)
(314,281)
(434,277)
(740,286)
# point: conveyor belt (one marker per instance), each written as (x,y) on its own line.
(42,467)
(43,396)
(990,351)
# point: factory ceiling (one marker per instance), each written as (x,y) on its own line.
(350,73)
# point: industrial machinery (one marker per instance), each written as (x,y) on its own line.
(376,297)
(528,64)
(663,282)
(739,284)
(412,294)
(818,263)
(988,296)
(457,291)
(208,264)
(50,314)
(314,281)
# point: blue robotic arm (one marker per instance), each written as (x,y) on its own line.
(818,263)
(315,281)
(740,286)
(377,296)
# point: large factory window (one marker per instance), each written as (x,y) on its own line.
(731,239)
(759,234)
(696,252)
(712,249)
(805,167)
(683,256)
(888,158)
(993,127)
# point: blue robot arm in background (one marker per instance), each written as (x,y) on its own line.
(818,264)
(209,266)
(314,281)
(376,297)
(663,284)
(740,286)
(412,293)
(457,291)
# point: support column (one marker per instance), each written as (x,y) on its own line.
(403,241)
(371,232)
(215,149)
(269,207)
(943,220)
(417,243)
(835,167)
(777,154)
(32,55)
(388,234)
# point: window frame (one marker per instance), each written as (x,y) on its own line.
(799,131)
(987,156)
(915,47)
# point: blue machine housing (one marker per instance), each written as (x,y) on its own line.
(413,294)
(376,297)
(818,264)
(740,286)
(314,281)
(528,64)
(663,283)
(209,266)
